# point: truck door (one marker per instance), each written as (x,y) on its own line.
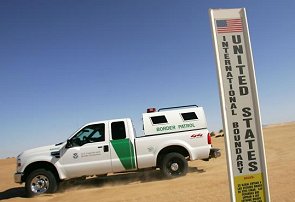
(88,152)
(122,148)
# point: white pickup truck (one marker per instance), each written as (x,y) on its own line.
(172,136)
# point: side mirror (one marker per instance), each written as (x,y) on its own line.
(69,143)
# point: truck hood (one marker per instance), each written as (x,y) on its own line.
(45,150)
(37,154)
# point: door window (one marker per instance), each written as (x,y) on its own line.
(118,130)
(89,134)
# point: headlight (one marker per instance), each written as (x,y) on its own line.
(18,161)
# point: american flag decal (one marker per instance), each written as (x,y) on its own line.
(229,25)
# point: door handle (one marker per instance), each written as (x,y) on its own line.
(106,148)
(99,147)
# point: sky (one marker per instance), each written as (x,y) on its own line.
(64,63)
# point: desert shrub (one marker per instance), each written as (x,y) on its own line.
(212,134)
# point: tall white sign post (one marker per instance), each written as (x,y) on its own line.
(240,108)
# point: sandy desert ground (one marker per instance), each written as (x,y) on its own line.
(206,181)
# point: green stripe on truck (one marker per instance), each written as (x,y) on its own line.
(125,151)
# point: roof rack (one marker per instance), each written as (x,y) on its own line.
(169,108)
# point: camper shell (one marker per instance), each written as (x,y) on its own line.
(173,120)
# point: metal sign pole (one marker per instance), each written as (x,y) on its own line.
(245,153)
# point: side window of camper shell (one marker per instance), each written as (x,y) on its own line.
(159,119)
(189,116)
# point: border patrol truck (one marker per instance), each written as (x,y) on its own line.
(172,136)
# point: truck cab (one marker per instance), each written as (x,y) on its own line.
(105,145)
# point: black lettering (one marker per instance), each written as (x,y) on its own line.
(230,86)
(231,93)
(240,169)
(238,150)
(247,122)
(241,68)
(251,155)
(225,49)
(250,143)
(225,44)
(232,99)
(237,138)
(239,157)
(242,80)
(239,59)
(247,111)
(227,62)
(238,144)
(226,56)
(224,39)
(230,80)
(244,90)
(253,166)
(240,164)
(238,49)
(229,74)
(233,112)
(228,68)
(249,134)
(236,39)
(233,105)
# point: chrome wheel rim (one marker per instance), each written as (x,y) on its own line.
(174,167)
(39,184)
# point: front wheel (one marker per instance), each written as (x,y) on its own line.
(39,182)
(174,165)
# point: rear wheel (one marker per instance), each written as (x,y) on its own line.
(39,182)
(174,165)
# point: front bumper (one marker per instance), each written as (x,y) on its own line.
(18,177)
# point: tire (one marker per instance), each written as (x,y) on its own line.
(40,181)
(174,165)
